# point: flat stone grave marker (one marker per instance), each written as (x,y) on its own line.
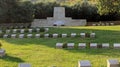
(14,30)
(73,34)
(59,45)
(55,35)
(84,63)
(64,35)
(46,35)
(24,65)
(82,35)
(22,30)
(105,45)
(93,24)
(29,35)
(5,36)
(92,35)
(112,63)
(21,35)
(112,24)
(13,35)
(107,24)
(46,29)
(21,26)
(37,29)
(8,31)
(1,31)
(70,45)
(2,52)
(116,45)
(37,35)
(30,30)
(82,45)
(102,24)
(93,45)
(98,24)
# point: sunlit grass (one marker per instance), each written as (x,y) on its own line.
(42,52)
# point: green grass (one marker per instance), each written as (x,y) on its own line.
(42,52)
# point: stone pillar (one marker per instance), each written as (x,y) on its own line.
(59,13)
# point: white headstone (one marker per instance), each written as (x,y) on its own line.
(37,29)
(112,63)
(82,35)
(2,52)
(1,31)
(64,35)
(84,63)
(46,35)
(70,45)
(92,35)
(46,29)
(13,35)
(29,35)
(59,45)
(14,30)
(22,30)
(24,65)
(37,35)
(73,34)
(55,35)
(82,45)
(93,45)
(30,30)
(116,45)
(105,45)
(93,24)
(7,31)
(5,36)
(21,35)
(112,24)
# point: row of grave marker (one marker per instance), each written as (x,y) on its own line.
(110,63)
(84,45)
(103,24)
(25,30)
(55,35)
(14,25)
(82,63)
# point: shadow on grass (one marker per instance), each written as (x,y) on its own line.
(11,59)
(102,36)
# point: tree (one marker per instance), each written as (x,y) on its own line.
(12,11)
(44,10)
(108,6)
(6,7)
(109,9)
(85,11)
(24,12)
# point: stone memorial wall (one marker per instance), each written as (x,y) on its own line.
(58,19)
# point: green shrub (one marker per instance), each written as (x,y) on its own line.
(42,29)
(99,45)
(64,45)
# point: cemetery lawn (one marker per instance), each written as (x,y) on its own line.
(41,52)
